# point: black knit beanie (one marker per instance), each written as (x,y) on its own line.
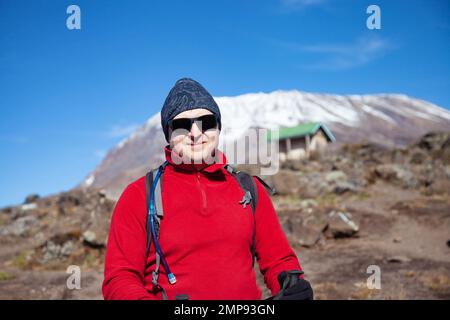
(187,94)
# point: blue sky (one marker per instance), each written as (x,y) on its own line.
(67,96)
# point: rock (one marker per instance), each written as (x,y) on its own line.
(306,231)
(448,243)
(397,240)
(69,199)
(311,231)
(59,246)
(418,157)
(345,186)
(31,198)
(447,171)
(28,206)
(90,238)
(439,185)
(102,193)
(312,185)
(398,259)
(19,227)
(308,237)
(285,182)
(335,176)
(54,251)
(434,141)
(396,174)
(290,164)
(341,225)
(308,203)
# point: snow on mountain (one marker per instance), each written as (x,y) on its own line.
(385,119)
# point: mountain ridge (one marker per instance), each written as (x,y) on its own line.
(390,120)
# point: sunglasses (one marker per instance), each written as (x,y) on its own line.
(207,122)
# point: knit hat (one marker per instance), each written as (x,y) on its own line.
(187,94)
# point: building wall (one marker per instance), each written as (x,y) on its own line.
(319,141)
(298,146)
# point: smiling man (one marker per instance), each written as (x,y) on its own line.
(206,238)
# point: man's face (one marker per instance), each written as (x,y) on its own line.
(194,145)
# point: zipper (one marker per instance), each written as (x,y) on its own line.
(202,191)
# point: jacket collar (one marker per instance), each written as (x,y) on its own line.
(219,162)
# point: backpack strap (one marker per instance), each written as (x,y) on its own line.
(248,185)
(158,202)
(159,214)
(148,188)
(268,188)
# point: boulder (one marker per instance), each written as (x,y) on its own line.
(31,198)
(91,239)
(285,182)
(395,173)
(334,176)
(19,227)
(306,229)
(398,259)
(341,225)
(345,186)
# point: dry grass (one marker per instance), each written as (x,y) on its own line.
(20,261)
(364,293)
(436,282)
(4,276)
(325,290)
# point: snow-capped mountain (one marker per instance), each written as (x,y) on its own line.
(386,119)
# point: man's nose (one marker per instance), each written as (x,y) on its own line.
(196,129)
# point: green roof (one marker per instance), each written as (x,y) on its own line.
(302,130)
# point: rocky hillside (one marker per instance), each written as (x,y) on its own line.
(389,120)
(356,206)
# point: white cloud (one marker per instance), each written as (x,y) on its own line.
(346,56)
(300,4)
(341,56)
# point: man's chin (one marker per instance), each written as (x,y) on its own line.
(199,156)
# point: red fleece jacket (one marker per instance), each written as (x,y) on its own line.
(206,236)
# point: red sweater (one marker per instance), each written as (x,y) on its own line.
(206,236)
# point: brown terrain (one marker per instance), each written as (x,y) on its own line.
(342,211)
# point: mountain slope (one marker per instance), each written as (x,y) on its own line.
(386,119)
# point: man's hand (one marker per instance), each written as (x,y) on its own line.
(293,287)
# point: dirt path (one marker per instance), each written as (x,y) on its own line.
(403,233)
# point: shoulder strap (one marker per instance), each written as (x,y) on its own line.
(158,204)
(159,214)
(248,185)
(148,188)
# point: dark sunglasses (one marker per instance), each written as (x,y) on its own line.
(207,122)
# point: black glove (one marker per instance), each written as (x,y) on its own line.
(292,287)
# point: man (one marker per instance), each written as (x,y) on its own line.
(206,233)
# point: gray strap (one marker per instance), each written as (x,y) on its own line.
(159,214)
(158,263)
(164,294)
(246,199)
(155,276)
(158,196)
(155,273)
(229,168)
